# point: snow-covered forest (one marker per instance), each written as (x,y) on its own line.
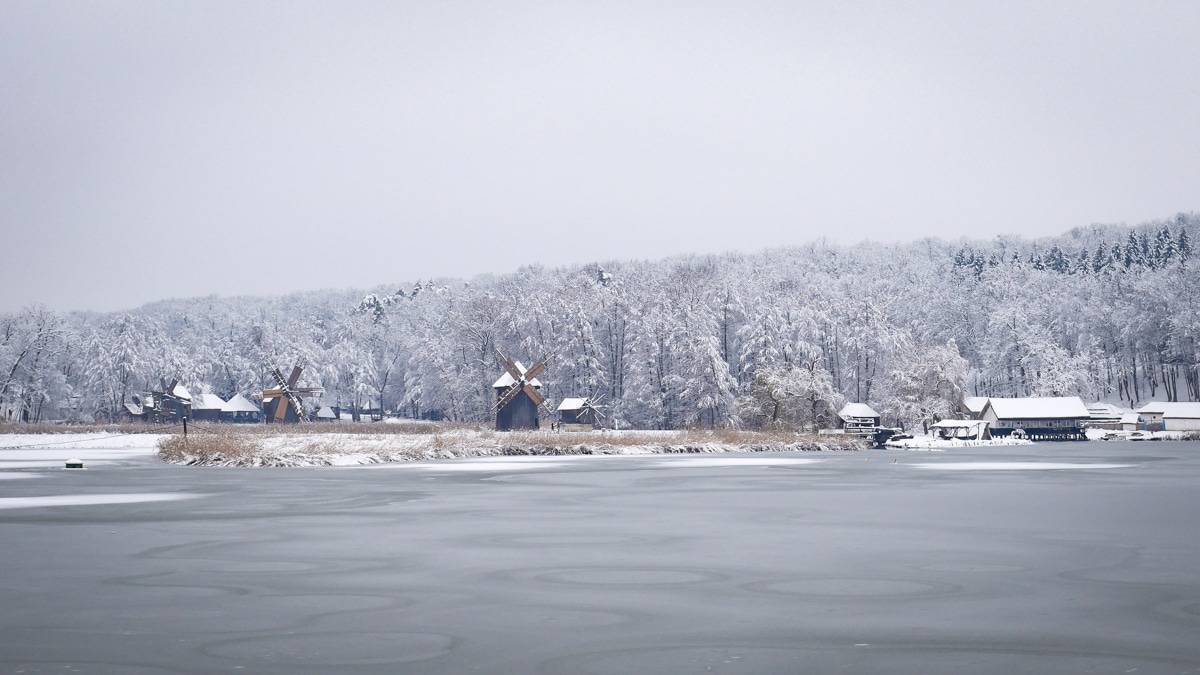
(780,337)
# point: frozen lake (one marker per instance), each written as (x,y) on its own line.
(1054,558)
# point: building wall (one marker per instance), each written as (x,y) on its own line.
(1181,424)
(520,413)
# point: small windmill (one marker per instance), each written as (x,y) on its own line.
(580,414)
(283,403)
(517,395)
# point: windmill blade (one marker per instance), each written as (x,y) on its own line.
(295,376)
(533,394)
(509,366)
(535,370)
(507,397)
(298,404)
(278,378)
(281,406)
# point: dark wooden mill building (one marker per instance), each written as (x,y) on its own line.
(517,395)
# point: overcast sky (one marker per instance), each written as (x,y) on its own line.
(169,149)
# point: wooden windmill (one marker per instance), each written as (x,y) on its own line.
(517,395)
(580,414)
(283,402)
(171,403)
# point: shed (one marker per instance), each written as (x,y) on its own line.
(1105,415)
(325,414)
(858,418)
(972,430)
(1130,421)
(1040,418)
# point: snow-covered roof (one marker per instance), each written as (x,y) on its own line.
(1130,418)
(181,392)
(1038,408)
(240,403)
(133,408)
(572,404)
(208,402)
(1105,411)
(857,410)
(959,424)
(506,380)
(326,413)
(1172,409)
(975,403)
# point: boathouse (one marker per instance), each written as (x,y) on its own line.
(858,418)
(1057,418)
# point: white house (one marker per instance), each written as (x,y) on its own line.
(1044,418)
(859,418)
(1171,415)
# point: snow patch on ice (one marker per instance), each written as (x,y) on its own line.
(93,500)
(17,475)
(1016,466)
(697,462)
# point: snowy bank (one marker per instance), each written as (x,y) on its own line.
(338,449)
(931,443)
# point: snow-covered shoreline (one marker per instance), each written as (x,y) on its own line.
(301,450)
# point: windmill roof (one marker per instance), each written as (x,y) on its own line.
(1038,408)
(572,404)
(857,410)
(240,403)
(506,380)
(208,402)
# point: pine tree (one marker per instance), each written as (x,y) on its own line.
(1100,260)
(1184,245)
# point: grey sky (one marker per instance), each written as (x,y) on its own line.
(162,149)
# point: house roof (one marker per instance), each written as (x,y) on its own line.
(1172,409)
(326,413)
(572,404)
(1038,407)
(133,408)
(506,380)
(181,392)
(1105,411)
(208,402)
(1130,418)
(240,403)
(975,404)
(857,410)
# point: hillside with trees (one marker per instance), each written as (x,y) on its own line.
(779,337)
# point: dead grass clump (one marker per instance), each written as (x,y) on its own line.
(207,448)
